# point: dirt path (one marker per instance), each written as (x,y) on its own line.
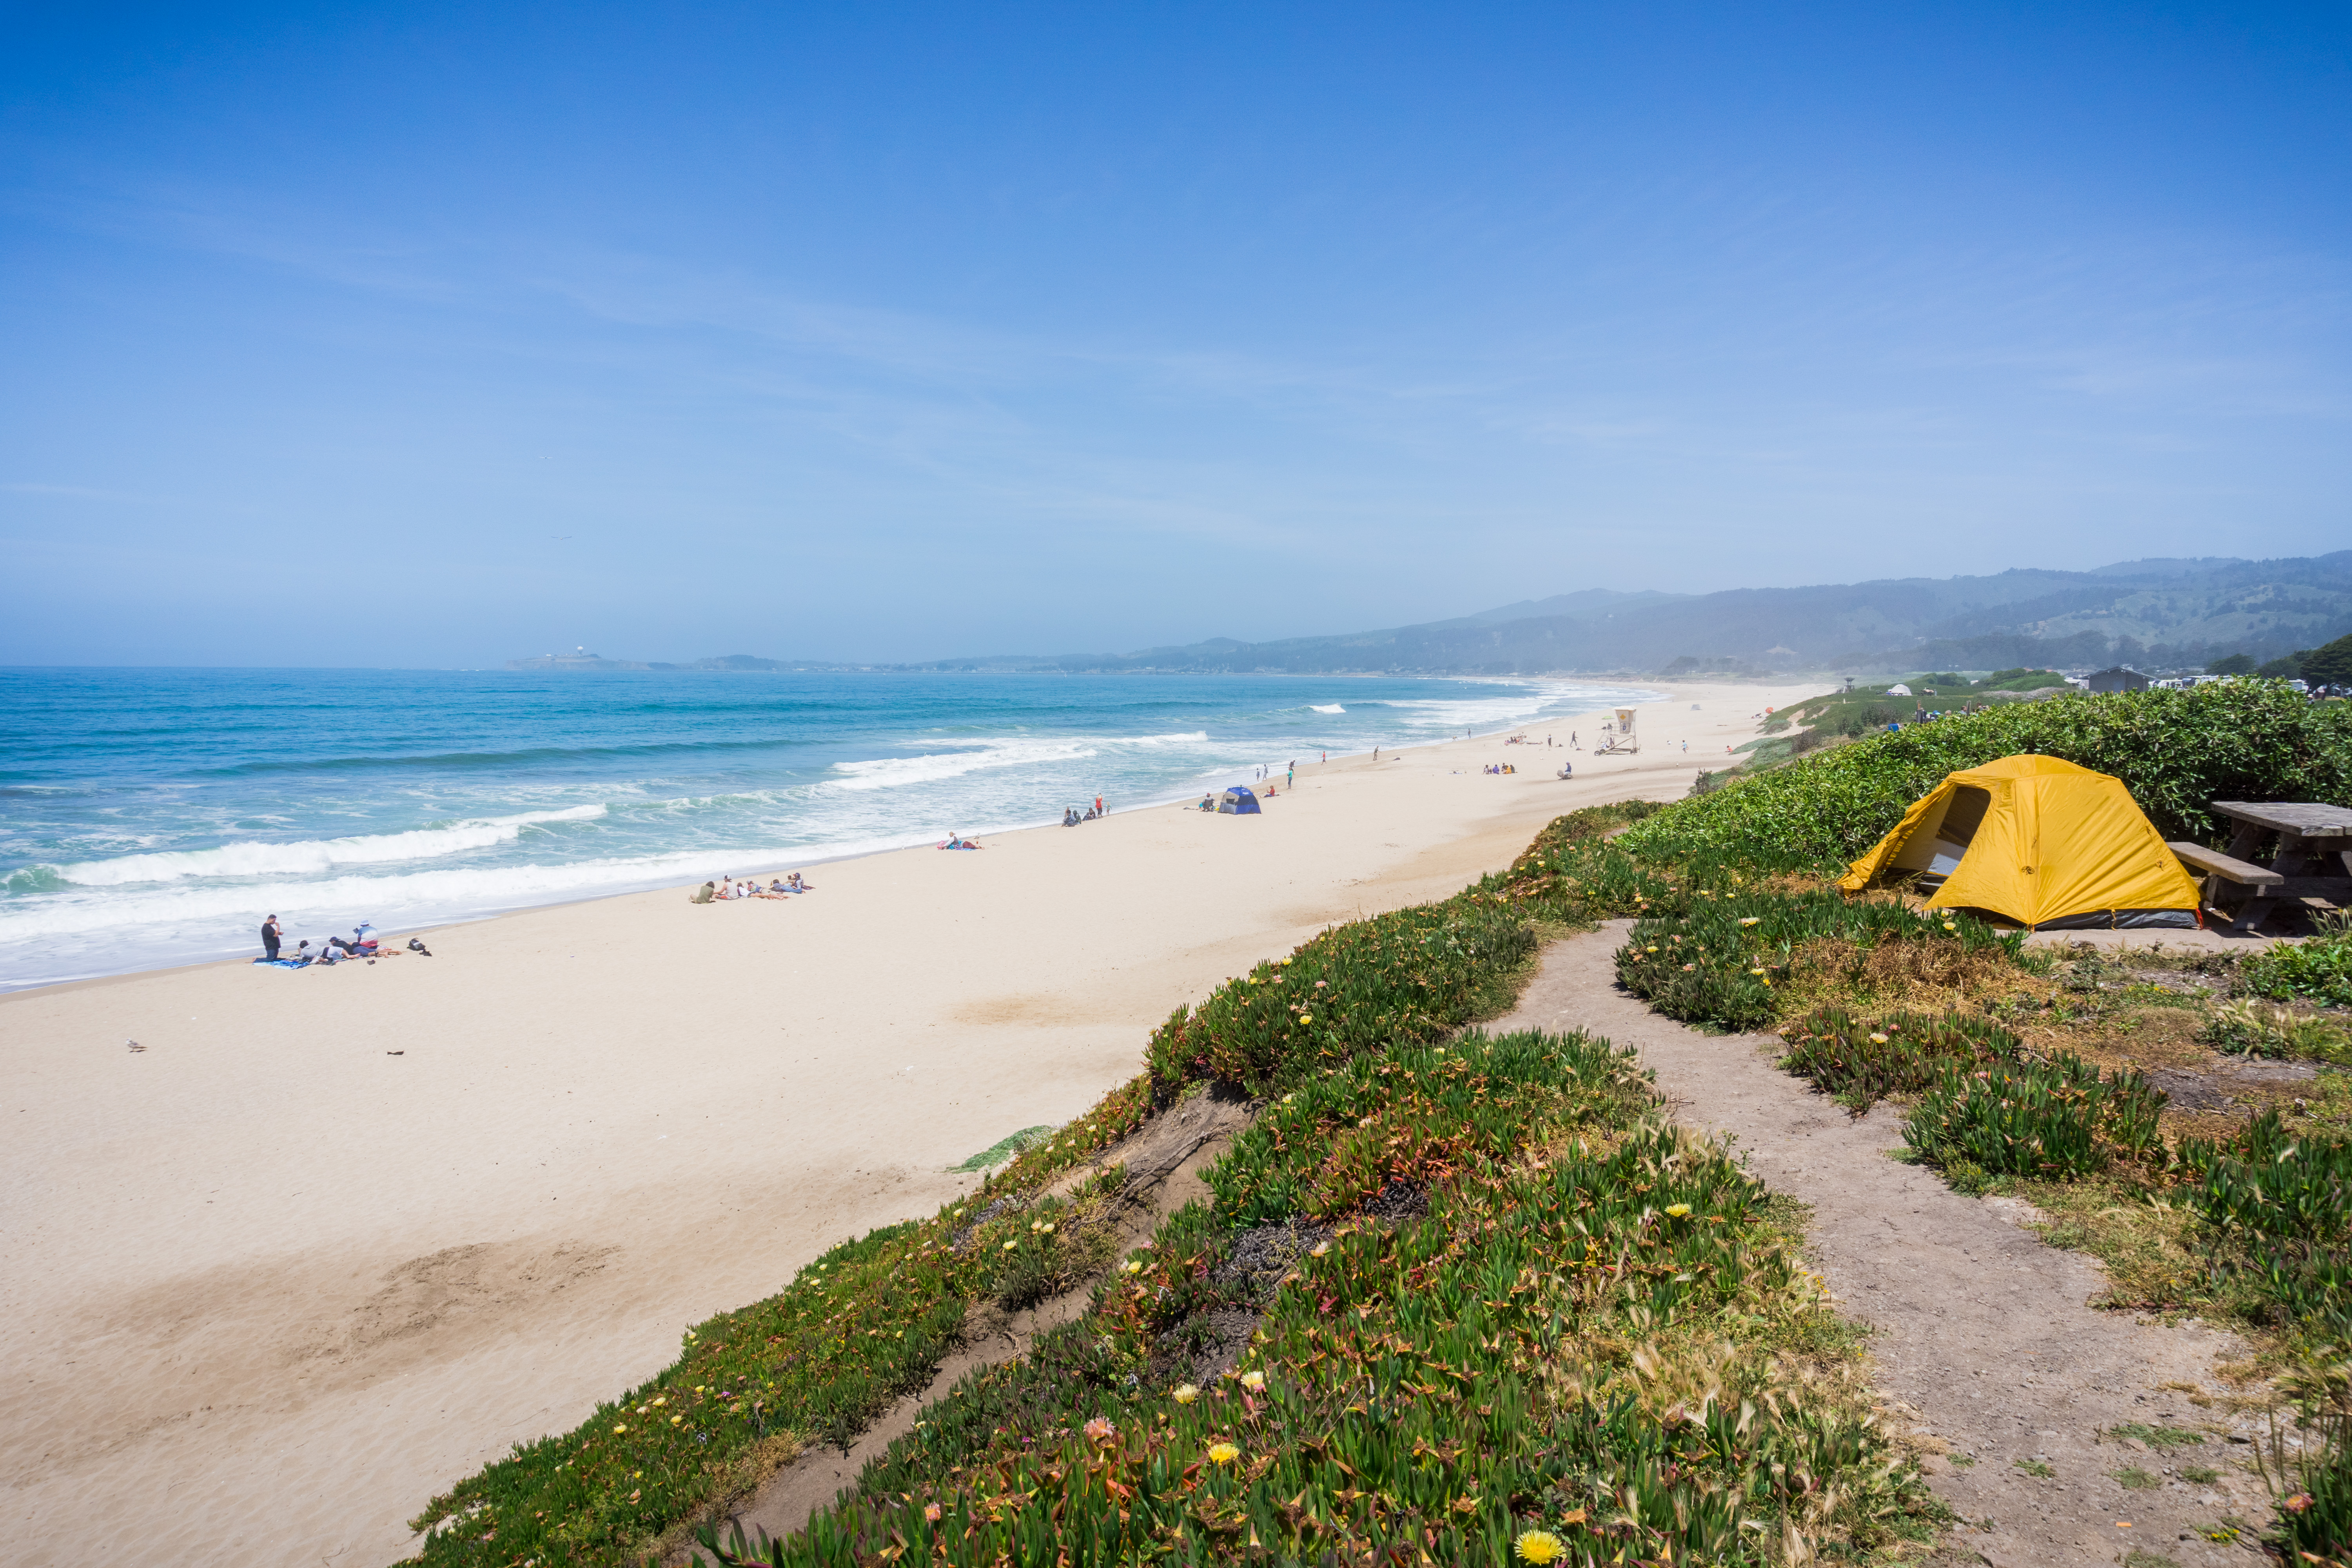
(1981,1334)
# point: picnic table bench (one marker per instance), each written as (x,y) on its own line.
(2312,860)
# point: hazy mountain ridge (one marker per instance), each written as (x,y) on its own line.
(2164,612)
(2157,614)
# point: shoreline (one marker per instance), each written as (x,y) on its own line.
(759,862)
(319,1252)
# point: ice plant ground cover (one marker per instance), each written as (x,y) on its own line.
(1588,1327)
(871,1320)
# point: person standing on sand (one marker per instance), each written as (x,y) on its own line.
(1099,810)
(1291,782)
(269,935)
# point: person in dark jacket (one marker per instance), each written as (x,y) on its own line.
(269,935)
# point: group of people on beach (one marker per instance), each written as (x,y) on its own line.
(725,889)
(363,943)
(1095,813)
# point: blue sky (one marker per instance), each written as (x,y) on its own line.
(428,335)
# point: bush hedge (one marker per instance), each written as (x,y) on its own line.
(2177,752)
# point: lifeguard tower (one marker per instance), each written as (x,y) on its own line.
(1620,738)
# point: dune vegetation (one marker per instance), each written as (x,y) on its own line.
(1474,1297)
(1492,1296)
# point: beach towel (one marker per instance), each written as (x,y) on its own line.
(284,962)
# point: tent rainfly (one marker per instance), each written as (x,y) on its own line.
(1240,800)
(2037,842)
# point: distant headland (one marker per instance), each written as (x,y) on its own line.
(581,659)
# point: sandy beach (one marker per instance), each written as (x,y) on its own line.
(330,1241)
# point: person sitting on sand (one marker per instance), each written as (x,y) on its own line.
(796,883)
(704,894)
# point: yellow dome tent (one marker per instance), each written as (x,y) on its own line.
(2038,841)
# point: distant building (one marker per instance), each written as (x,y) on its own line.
(2117,679)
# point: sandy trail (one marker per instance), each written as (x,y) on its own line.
(334,1240)
(1981,1334)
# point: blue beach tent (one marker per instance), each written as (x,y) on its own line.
(1239,801)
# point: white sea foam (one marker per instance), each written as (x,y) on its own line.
(393,902)
(314,855)
(1325,708)
(890,773)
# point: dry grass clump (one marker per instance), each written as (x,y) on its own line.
(1904,966)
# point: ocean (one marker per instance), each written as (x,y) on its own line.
(150,818)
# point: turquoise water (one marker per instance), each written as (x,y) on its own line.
(152,817)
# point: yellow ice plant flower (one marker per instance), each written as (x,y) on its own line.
(1186,1394)
(618,1430)
(662,1401)
(1253,1381)
(1010,1245)
(1680,1211)
(1048,1228)
(1878,1039)
(676,1419)
(1135,1265)
(1307,1017)
(1750,919)
(1222,1453)
(1755,972)
(1539,1546)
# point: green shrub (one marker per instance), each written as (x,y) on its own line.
(2317,969)
(1410,975)
(1862,1060)
(1715,958)
(2246,1029)
(2054,1120)
(2281,1210)
(2175,751)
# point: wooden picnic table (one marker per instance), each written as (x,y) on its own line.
(2312,857)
